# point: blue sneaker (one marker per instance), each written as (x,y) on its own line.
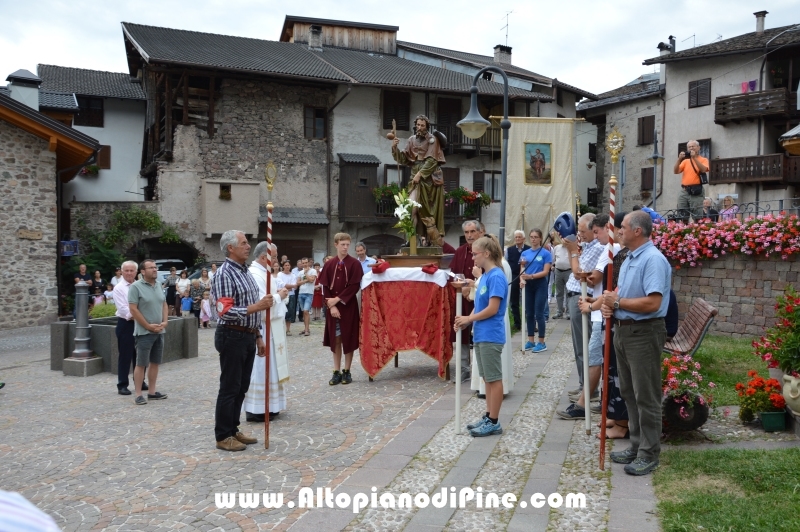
(487,429)
(478,423)
(529,346)
(539,347)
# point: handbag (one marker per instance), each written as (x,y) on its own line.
(703,177)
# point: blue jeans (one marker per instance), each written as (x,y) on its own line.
(535,305)
(237,352)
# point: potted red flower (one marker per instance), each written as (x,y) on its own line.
(762,397)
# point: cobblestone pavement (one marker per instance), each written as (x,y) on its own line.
(94,461)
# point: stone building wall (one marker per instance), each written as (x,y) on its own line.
(27,260)
(742,288)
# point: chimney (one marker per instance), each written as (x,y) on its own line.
(315,38)
(665,49)
(24,87)
(502,54)
(760,16)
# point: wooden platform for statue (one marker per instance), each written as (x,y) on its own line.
(413,261)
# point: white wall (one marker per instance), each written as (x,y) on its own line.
(123,130)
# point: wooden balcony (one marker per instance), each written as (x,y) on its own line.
(488,144)
(774,168)
(752,105)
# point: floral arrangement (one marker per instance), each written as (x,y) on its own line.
(681,380)
(780,346)
(759,395)
(472,200)
(385,192)
(91,169)
(405,206)
(688,244)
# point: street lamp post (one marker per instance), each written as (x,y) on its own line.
(474,126)
(655,159)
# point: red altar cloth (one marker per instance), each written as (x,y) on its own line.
(402,316)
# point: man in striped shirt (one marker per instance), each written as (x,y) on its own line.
(234,296)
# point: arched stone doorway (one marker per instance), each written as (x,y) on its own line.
(151,248)
(383,244)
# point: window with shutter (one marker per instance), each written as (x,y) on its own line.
(397,106)
(646,125)
(491,184)
(452,178)
(477,181)
(393,173)
(314,122)
(700,93)
(104,157)
(449,112)
(592,152)
(648,180)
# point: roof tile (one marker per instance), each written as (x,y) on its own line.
(89,82)
(358,158)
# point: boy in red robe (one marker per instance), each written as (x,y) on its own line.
(341,280)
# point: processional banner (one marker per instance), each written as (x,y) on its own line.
(540,182)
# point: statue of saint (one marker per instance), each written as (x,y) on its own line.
(424,155)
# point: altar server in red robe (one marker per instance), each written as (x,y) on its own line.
(341,280)
(462,263)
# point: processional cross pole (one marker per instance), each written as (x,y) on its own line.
(269,176)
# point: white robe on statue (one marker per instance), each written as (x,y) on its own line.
(278,354)
(506,358)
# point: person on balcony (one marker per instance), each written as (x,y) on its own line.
(729,209)
(691,164)
(423,153)
(709,211)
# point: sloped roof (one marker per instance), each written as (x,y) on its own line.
(748,42)
(635,91)
(89,82)
(358,158)
(165,45)
(25,76)
(5,91)
(294,215)
(57,100)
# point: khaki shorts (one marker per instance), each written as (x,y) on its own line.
(487,356)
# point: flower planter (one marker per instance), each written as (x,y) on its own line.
(680,414)
(791,392)
(773,421)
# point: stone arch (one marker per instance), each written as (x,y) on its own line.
(383,244)
(151,248)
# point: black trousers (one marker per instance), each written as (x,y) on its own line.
(237,352)
(127,351)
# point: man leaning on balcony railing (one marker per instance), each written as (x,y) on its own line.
(691,164)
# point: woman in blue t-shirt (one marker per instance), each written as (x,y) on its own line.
(535,273)
(488,333)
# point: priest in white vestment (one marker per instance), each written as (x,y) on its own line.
(506,358)
(278,355)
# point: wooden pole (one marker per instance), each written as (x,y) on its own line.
(457,354)
(612,198)
(268,328)
(586,324)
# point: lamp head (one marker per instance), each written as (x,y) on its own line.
(473,125)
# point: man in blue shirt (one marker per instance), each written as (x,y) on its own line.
(361,255)
(638,309)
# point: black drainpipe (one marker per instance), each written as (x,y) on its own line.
(328,157)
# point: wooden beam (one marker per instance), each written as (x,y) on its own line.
(168,116)
(53,145)
(185,100)
(211,93)
(156,128)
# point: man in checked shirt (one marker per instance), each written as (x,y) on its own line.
(235,298)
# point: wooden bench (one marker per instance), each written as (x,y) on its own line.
(692,330)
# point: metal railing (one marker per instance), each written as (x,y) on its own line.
(456,140)
(741,211)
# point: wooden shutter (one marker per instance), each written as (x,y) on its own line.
(692,94)
(592,152)
(700,92)
(449,112)
(452,178)
(646,125)
(397,106)
(104,157)
(647,179)
(477,181)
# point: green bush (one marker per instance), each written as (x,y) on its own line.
(106,310)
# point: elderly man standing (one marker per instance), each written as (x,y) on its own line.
(581,260)
(691,164)
(462,263)
(278,353)
(638,308)
(234,295)
(512,256)
(125,325)
(148,307)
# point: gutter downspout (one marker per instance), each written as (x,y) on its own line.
(328,157)
(663,137)
(59,201)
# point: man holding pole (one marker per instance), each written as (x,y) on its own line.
(638,309)
(234,295)
(254,403)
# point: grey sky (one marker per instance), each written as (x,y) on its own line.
(596,46)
